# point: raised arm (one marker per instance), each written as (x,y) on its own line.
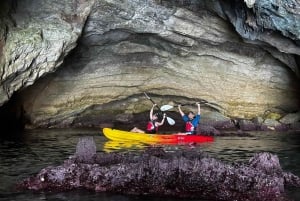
(180,111)
(151,111)
(199,109)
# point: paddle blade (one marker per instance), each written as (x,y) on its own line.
(170,121)
(166,107)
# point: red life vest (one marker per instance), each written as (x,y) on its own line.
(189,127)
(151,126)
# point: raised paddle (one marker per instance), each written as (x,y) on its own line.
(168,107)
(169,119)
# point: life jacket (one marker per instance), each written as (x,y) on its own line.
(151,126)
(189,127)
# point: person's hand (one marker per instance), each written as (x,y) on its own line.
(154,105)
(164,115)
(179,106)
(197,103)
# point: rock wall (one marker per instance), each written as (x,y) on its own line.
(35,38)
(154,172)
(178,51)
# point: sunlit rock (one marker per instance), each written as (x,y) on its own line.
(249,3)
(243,60)
(35,37)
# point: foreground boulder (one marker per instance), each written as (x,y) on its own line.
(156,172)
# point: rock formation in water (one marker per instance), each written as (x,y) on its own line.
(155,172)
(241,56)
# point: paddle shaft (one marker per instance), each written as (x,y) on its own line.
(148,97)
(188,104)
(169,119)
(168,107)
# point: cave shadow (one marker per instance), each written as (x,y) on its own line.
(12,118)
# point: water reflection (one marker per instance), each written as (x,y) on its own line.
(120,146)
(112,146)
(37,149)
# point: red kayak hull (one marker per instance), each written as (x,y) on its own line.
(114,134)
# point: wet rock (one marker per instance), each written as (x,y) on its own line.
(295,126)
(258,120)
(273,125)
(181,174)
(217,120)
(124,118)
(290,118)
(282,127)
(271,122)
(208,130)
(247,125)
(238,132)
(266,162)
(85,150)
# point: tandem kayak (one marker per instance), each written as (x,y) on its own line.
(114,134)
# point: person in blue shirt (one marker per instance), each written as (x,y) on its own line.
(191,120)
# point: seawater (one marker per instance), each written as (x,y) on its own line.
(26,154)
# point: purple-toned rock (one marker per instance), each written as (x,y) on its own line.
(247,125)
(266,162)
(207,130)
(182,174)
(85,149)
(295,126)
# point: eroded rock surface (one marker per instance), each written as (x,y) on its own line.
(35,37)
(242,56)
(156,172)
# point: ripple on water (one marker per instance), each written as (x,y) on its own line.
(37,149)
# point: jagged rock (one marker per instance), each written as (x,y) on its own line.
(271,122)
(258,121)
(180,174)
(217,120)
(35,37)
(263,23)
(290,118)
(247,125)
(209,130)
(266,162)
(295,126)
(85,149)
(250,3)
(179,50)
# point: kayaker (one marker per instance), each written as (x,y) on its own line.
(191,120)
(153,124)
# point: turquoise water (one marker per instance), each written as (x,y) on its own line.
(33,150)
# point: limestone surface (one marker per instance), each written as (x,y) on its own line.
(240,55)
